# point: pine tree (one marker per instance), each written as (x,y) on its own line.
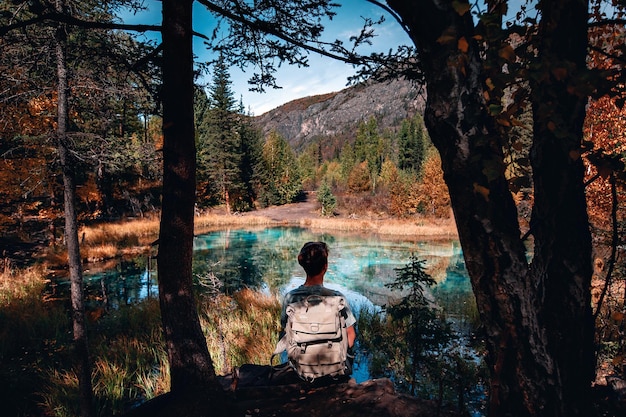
(346,160)
(228,147)
(251,163)
(282,182)
(368,147)
(205,188)
(326,198)
(412,145)
(219,142)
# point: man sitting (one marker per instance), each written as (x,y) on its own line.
(318,323)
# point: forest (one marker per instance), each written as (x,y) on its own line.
(521,140)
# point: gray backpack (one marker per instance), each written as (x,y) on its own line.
(316,338)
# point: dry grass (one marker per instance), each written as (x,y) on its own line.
(127,233)
(241,329)
(100,252)
(212,221)
(386,227)
(108,241)
(16,284)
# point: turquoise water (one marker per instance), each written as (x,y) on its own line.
(359,265)
(266,258)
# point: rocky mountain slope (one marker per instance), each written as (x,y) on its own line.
(337,115)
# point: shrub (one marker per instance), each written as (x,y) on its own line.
(326,198)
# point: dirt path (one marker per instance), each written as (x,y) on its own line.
(308,207)
(306,213)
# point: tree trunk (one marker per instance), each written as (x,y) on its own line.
(191,366)
(561,266)
(71,227)
(520,307)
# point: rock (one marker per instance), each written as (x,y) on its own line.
(373,398)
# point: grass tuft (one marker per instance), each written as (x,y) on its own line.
(241,329)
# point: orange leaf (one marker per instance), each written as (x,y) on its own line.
(460,8)
(574,154)
(507,53)
(503,121)
(463,45)
(482,190)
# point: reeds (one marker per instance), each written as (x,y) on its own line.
(111,240)
(129,359)
(240,329)
(130,364)
(33,334)
(27,322)
(208,221)
(388,227)
(124,234)
(16,284)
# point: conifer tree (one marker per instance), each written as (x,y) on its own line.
(282,181)
(411,143)
(368,147)
(251,162)
(346,160)
(219,142)
(228,147)
(205,189)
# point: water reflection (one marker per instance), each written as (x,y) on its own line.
(266,258)
(128,282)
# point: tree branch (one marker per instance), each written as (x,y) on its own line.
(268,28)
(393,14)
(617,58)
(600,23)
(71,20)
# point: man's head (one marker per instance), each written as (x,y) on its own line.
(313,257)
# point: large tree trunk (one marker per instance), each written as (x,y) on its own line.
(71,227)
(191,366)
(561,266)
(520,307)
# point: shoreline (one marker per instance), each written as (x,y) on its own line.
(106,241)
(441,229)
(306,214)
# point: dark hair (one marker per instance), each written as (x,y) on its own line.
(313,257)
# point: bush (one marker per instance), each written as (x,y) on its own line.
(414,345)
(326,198)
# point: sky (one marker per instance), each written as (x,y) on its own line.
(324,75)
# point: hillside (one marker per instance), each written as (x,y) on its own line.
(337,115)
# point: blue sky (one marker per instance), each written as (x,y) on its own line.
(323,75)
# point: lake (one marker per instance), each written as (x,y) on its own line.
(266,259)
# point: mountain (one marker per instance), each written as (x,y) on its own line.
(334,117)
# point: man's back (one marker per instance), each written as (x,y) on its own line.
(304,291)
(316,337)
(306,311)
